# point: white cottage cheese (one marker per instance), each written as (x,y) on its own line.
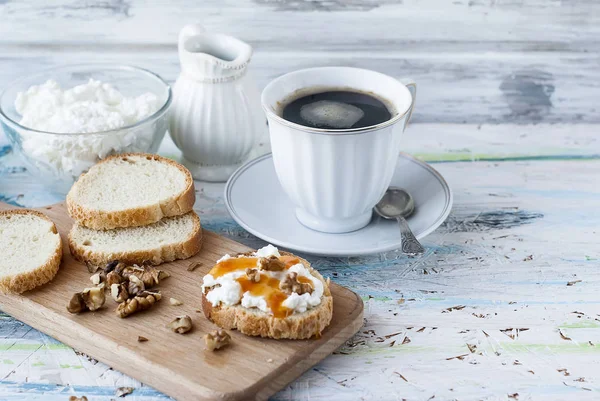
(229,291)
(84,109)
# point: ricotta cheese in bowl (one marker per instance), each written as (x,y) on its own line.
(65,120)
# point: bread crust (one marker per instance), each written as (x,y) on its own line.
(254,322)
(156,256)
(42,274)
(139,216)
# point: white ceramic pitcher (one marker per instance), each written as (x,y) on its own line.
(216,117)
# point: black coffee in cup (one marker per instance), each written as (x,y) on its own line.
(335,109)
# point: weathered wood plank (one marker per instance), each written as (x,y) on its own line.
(515,240)
(476,61)
(355,25)
(455,88)
(431,142)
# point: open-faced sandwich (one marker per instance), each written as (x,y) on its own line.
(267,293)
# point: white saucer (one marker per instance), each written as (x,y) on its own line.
(256,201)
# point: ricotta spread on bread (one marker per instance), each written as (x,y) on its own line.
(227,283)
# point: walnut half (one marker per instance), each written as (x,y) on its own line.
(291,284)
(181,324)
(141,302)
(217,340)
(272,263)
(253,275)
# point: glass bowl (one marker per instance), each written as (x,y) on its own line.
(57,159)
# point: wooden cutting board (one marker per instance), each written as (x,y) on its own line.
(178,365)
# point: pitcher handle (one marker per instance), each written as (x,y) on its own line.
(412,88)
(188,31)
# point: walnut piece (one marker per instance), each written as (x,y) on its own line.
(253,275)
(291,284)
(175,302)
(149,275)
(141,302)
(98,278)
(90,299)
(217,340)
(194,265)
(119,292)
(113,278)
(94,298)
(181,324)
(110,266)
(75,398)
(272,263)
(134,286)
(76,304)
(209,289)
(92,268)
(123,391)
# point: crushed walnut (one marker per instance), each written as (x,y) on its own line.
(175,302)
(194,265)
(149,275)
(92,268)
(217,340)
(98,278)
(75,398)
(113,265)
(119,292)
(141,302)
(291,284)
(272,263)
(90,299)
(113,277)
(135,286)
(181,324)
(123,391)
(208,289)
(253,275)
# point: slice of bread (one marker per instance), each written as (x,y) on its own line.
(130,190)
(31,250)
(172,238)
(255,322)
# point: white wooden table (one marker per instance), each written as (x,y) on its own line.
(504,305)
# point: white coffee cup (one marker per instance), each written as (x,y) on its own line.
(335,177)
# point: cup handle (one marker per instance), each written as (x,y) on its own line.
(412,87)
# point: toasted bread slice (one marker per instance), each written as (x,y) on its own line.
(31,250)
(172,238)
(131,190)
(255,322)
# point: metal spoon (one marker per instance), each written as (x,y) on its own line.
(398,204)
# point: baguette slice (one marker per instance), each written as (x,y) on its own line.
(31,250)
(172,238)
(131,190)
(254,322)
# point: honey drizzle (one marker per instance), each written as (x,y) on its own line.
(289,260)
(305,280)
(232,265)
(267,287)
